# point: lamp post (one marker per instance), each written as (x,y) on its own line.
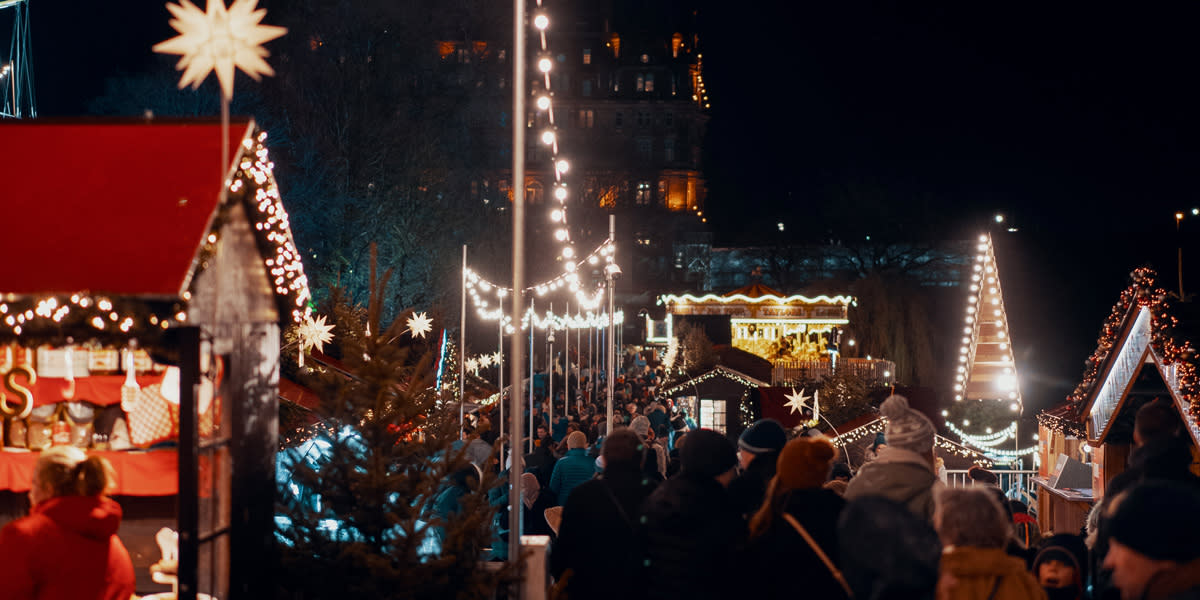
(611,273)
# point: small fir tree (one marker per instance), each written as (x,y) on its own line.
(381,501)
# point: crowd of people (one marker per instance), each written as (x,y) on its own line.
(661,508)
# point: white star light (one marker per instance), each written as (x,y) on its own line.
(419,325)
(485,361)
(219,39)
(315,333)
(497,359)
(472,365)
(795,401)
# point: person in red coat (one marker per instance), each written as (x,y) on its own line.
(67,548)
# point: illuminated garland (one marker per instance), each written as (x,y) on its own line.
(1143,293)
(558,214)
(742,298)
(718,371)
(984,441)
(879,425)
(55,317)
(1060,425)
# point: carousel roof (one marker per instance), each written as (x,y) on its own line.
(754,290)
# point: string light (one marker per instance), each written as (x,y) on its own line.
(941,443)
(984,441)
(986,293)
(718,371)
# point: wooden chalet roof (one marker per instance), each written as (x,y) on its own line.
(116,208)
(1140,333)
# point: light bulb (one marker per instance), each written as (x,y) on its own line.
(568,252)
(556,215)
(544,65)
(543,102)
(541,22)
(560,235)
(560,192)
(548,138)
(562,166)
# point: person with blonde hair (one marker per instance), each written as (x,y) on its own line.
(67,547)
(974,532)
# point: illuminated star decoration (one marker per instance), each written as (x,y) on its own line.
(485,361)
(795,401)
(497,359)
(419,325)
(219,39)
(314,333)
(472,365)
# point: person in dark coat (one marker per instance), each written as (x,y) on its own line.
(887,552)
(67,547)
(777,555)
(597,542)
(692,528)
(541,461)
(1153,554)
(758,451)
(1160,453)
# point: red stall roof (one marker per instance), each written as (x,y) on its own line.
(112,207)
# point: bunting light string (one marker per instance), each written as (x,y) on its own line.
(995,452)
(984,441)
(571,261)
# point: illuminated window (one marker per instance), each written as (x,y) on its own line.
(642,196)
(712,415)
(587,56)
(587,118)
(649,82)
(501,55)
(641,83)
(645,58)
(662,191)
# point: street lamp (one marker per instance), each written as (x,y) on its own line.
(611,273)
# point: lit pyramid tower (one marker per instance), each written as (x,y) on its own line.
(987,392)
(986,369)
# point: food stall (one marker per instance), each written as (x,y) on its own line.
(141,296)
(1141,356)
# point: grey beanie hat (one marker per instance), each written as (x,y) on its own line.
(906,428)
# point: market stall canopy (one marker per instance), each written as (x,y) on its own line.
(1141,333)
(111,223)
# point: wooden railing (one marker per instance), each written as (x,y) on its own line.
(875,370)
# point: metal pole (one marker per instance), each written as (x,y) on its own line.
(567,358)
(531,305)
(462,349)
(609,346)
(550,367)
(500,377)
(518,259)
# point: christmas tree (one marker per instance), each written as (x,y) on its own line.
(379,499)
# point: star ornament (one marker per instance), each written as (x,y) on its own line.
(314,333)
(419,325)
(795,401)
(219,39)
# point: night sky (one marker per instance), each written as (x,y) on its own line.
(1076,120)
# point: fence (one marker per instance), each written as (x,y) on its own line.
(1015,484)
(872,370)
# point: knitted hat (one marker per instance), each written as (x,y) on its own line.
(640,425)
(577,439)
(906,428)
(1159,520)
(763,436)
(706,454)
(1067,549)
(803,463)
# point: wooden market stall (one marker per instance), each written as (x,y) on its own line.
(721,399)
(140,306)
(1142,356)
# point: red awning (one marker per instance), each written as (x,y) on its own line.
(116,208)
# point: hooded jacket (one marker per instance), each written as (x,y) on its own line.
(66,549)
(901,476)
(970,573)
